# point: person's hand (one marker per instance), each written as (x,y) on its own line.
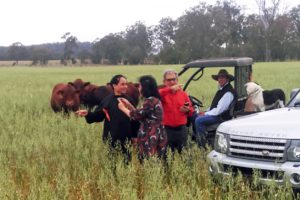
(81,113)
(201,113)
(124,101)
(123,108)
(121,105)
(185,109)
(176,87)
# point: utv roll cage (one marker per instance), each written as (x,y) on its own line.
(242,73)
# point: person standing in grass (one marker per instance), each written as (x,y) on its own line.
(177,108)
(118,127)
(152,138)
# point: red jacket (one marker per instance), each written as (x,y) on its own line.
(171,104)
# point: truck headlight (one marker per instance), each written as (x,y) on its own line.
(293,152)
(221,143)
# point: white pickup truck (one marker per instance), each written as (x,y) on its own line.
(267,141)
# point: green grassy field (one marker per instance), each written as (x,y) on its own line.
(47,156)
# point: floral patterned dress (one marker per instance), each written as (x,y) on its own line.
(152,138)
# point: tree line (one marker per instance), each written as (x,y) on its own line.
(203,31)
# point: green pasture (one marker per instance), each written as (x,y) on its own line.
(44,155)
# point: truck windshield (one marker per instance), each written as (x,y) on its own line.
(295,102)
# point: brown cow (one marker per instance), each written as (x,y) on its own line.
(133,92)
(64,98)
(91,95)
(86,92)
(79,84)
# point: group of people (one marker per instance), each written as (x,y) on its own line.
(160,122)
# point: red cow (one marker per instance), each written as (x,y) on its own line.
(79,84)
(91,95)
(64,98)
(133,92)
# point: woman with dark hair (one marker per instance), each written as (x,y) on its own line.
(148,87)
(152,138)
(118,127)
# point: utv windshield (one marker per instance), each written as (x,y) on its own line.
(295,100)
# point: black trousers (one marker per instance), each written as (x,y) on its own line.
(177,137)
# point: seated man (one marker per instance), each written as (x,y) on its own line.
(219,109)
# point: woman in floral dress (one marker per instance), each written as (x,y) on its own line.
(152,138)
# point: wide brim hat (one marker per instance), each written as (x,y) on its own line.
(224,73)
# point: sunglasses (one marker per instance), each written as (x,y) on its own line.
(170,79)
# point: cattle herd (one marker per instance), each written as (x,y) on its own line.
(69,96)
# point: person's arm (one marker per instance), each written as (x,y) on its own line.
(164,91)
(123,108)
(249,107)
(97,116)
(137,114)
(143,112)
(127,103)
(222,106)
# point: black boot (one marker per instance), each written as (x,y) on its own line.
(201,140)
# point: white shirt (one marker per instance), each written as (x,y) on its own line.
(223,104)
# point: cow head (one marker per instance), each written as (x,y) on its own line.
(86,93)
(68,97)
(82,88)
(79,84)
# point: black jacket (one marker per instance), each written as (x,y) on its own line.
(220,93)
(117,125)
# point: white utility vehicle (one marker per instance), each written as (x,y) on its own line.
(266,141)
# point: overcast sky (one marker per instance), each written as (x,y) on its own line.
(45,21)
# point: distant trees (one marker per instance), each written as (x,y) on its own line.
(83,55)
(70,46)
(268,16)
(17,51)
(111,47)
(131,46)
(203,31)
(40,55)
(217,30)
(137,43)
(164,41)
(253,40)
(194,35)
(294,41)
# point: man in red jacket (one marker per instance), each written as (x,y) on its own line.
(177,107)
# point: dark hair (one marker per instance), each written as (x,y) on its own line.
(149,86)
(116,79)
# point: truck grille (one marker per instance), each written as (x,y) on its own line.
(263,173)
(257,148)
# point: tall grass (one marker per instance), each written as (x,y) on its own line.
(48,156)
